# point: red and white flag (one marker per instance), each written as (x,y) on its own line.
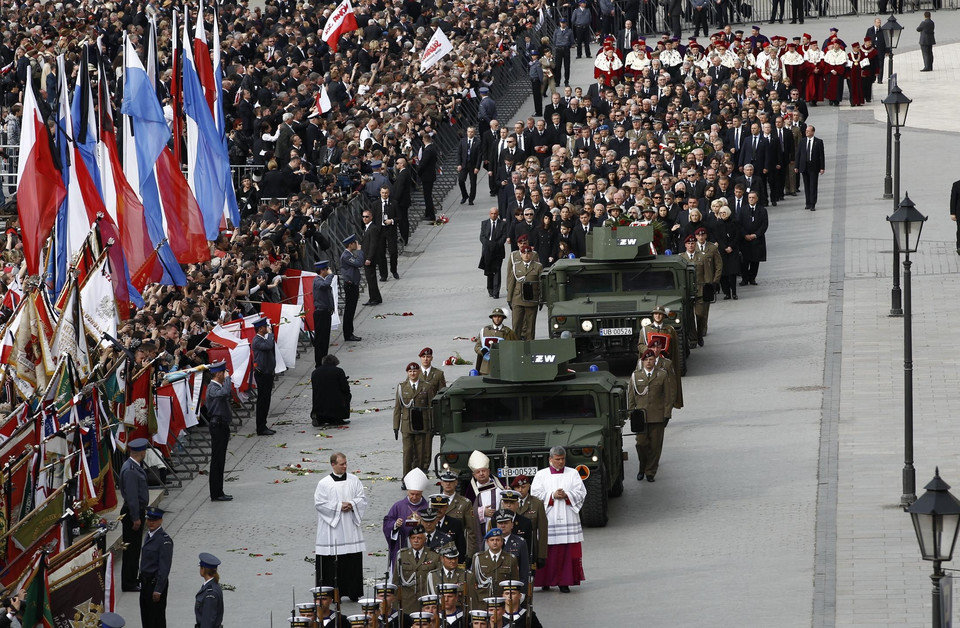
(322,101)
(341,21)
(437,48)
(40,188)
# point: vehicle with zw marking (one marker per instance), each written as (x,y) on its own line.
(605,298)
(532,400)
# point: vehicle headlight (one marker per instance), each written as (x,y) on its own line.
(586,325)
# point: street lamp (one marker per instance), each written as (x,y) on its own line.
(907,223)
(897,105)
(891,38)
(936,520)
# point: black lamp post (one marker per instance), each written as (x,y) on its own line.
(897,105)
(936,520)
(891,38)
(907,223)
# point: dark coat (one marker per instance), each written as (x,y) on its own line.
(492,251)
(728,235)
(926,33)
(754,250)
(331,393)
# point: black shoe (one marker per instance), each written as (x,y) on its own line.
(339,422)
(640,477)
(469,202)
(735,297)
(494,296)
(373,302)
(544,588)
(266,432)
(223,498)
(774,203)
(813,209)
(806,207)
(699,342)
(650,478)
(463,200)
(353,338)
(726,297)
(564,589)
(927,70)
(793,21)
(131,589)
(316,422)
(395,275)
(743,283)
(753,282)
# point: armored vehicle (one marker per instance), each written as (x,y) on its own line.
(604,299)
(532,400)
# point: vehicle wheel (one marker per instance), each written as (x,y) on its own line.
(594,511)
(682,359)
(617,489)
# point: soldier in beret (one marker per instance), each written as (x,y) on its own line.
(523,292)
(431,374)
(411,417)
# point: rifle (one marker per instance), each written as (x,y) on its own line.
(293,613)
(336,576)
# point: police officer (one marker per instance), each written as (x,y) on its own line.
(523,293)
(155,561)
(112,620)
(351,261)
(322,310)
(265,361)
(136,496)
(209,605)
(488,336)
(562,42)
(220,416)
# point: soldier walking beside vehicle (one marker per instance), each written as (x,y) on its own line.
(523,293)
(650,389)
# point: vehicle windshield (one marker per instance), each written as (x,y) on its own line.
(589,283)
(558,407)
(485,409)
(547,407)
(647,280)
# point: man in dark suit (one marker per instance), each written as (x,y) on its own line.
(402,191)
(955,209)
(331,154)
(784,138)
(429,160)
(578,236)
(735,136)
(875,33)
(468,165)
(773,168)
(493,237)
(753,247)
(810,164)
(752,181)
(927,41)
(387,219)
(490,143)
(753,151)
(371,245)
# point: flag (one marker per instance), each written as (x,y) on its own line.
(174,411)
(36,607)
(85,134)
(437,48)
(341,21)
(186,232)
(204,149)
(176,99)
(139,413)
(70,339)
(239,361)
(286,317)
(231,211)
(97,302)
(322,102)
(78,592)
(297,286)
(40,188)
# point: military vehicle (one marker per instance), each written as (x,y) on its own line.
(604,298)
(532,400)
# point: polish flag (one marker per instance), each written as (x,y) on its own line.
(322,101)
(40,188)
(342,21)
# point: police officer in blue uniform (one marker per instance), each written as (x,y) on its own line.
(136,496)
(322,310)
(209,605)
(156,558)
(111,620)
(264,357)
(220,416)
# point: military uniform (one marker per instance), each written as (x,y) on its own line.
(442,575)
(523,294)
(654,393)
(219,416)
(531,508)
(410,575)
(136,496)
(209,605)
(155,560)
(519,619)
(461,509)
(438,539)
(435,378)
(701,309)
(712,271)
(518,548)
(485,339)
(412,416)
(486,573)
(662,329)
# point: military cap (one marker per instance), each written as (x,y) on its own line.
(139,444)
(426,600)
(659,309)
(504,515)
(426,351)
(497,311)
(520,480)
(429,515)
(368,603)
(306,607)
(412,366)
(357,620)
(494,602)
(484,90)
(700,230)
(511,585)
(322,264)
(112,620)
(418,529)
(448,587)
(350,239)
(477,614)
(216,367)
(209,560)
(689,239)
(449,551)
(152,512)
(300,622)
(510,496)
(492,532)
(422,619)
(320,592)
(439,499)
(649,353)
(260,322)
(376,163)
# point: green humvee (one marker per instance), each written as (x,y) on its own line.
(532,400)
(604,299)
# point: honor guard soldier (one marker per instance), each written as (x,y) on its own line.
(372,610)
(435,538)
(421,620)
(523,293)
(492,566)
(448,572)
(430,604)
(327,617)
(448,525)
(712,271)
(693,257)
(156,557)
(390,614)
(460,508)
(136,496)
(309,611)
(495,607)
(265,363)
(510,501)
(358,621)
(514,543)
(666,363)
(514,613)
(452,612)
(531,508)
(111,620)
(412,566)
(431,374)
(411,417)
(300,622)
(651,390)
(219,416)
(490,335)
(479,619)
(659,327)
(209,605)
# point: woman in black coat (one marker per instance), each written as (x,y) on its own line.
(544,240)
(728,241)
(331,393)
